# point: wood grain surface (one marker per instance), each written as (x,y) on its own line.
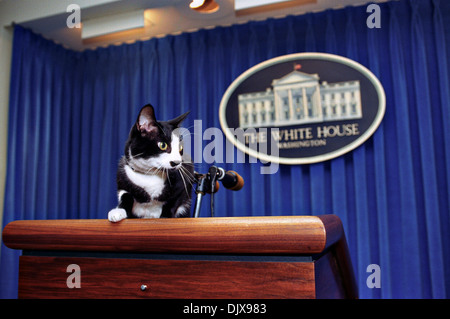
(237,235)
(46,277)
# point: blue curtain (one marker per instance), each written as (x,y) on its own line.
(70,113)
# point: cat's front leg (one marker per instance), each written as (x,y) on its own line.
(117,214)
(123,210)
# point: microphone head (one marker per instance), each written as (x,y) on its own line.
(240,181)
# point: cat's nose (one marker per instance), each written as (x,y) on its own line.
(175,163)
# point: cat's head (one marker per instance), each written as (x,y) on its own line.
(154,145)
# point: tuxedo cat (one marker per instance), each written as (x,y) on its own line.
(153,181)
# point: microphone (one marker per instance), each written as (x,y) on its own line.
(208,183)
(230,179)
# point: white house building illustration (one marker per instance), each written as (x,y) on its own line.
(299,98)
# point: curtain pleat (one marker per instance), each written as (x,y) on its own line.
(70,114)
(381,232)
(429,213)
(441,120)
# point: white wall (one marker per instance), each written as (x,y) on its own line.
(5,64)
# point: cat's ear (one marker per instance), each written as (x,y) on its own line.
(146,121)
(177,121)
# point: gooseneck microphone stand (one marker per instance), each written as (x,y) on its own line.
(209,184)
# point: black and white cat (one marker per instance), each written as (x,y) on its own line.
(153,181)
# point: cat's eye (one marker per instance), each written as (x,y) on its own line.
(162,146)
(181,150)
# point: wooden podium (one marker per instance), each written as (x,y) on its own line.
(235,257)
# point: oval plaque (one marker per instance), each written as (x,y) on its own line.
(302,108)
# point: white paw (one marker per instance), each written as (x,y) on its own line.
(116,215)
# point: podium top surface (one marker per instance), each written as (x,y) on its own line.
(272,235)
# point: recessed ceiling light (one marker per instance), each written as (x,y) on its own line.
(204,6)
(196,4)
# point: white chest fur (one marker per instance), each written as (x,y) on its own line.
(152,184)
(148,210)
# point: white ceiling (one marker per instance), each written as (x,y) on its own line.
(48,17)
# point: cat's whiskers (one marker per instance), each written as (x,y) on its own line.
(135,155)
(167,174)
(184,182)
(190,178)
(150,170)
